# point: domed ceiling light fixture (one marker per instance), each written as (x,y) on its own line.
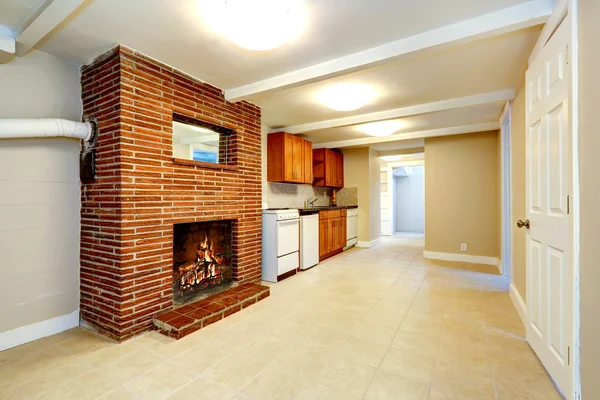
(381,128)
(346,96)
(256,24)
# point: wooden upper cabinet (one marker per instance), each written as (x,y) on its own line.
(289,158)
(308,162)
(328,168)
(339,169)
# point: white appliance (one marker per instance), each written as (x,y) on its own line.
(280,243)
(351,227)
(309,240)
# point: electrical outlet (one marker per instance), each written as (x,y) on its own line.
(463,247)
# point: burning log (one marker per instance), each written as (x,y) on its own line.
(202,256)
(206,271)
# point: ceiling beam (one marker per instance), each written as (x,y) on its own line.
(456,130)
(459,102)
(507,20)
(55,13)
(408,151)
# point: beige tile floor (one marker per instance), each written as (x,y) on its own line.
(380,323)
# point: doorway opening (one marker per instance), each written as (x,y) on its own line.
(409,201)
(403,197)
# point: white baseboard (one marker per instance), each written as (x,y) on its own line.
(29,333)
(462,258)
(368,245)
(518,303)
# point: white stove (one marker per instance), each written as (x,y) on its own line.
(280,243)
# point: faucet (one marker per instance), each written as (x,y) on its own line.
(311,201)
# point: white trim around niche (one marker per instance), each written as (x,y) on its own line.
(29,333)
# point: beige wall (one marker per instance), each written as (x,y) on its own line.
(374,195)
(39,195)
(589,169)
(517,148)
(356,174)
(462,194)
(361,170)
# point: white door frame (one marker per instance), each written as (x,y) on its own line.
(398,164)
(390,199)
(506,267)
(390,170)
(573,14)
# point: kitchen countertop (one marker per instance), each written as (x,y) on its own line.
(315,210)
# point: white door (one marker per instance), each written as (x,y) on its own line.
(549,187)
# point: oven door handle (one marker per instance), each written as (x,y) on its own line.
(289,221)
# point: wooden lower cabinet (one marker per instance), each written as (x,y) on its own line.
(323,235)
(332,233)
(341,233)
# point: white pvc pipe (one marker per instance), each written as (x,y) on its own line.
(44,127)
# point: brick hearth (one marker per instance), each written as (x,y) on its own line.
(197,315)
(140,190)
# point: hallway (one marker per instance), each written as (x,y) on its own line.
(378,323)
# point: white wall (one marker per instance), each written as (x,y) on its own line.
(409,201)
(40,85)
(374,196)
(39,200)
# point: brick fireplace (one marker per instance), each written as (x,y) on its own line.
(140,192)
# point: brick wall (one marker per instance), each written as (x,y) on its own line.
(140,191)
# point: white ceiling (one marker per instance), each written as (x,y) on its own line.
(436,120)
(14,14)
(399,145)
(176,33)
(483,66)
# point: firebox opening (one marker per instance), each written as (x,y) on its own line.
(202,259)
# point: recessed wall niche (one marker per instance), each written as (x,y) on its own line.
(201,141)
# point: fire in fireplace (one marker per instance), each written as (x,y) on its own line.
(201,259)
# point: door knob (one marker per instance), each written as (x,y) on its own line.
(525,224)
